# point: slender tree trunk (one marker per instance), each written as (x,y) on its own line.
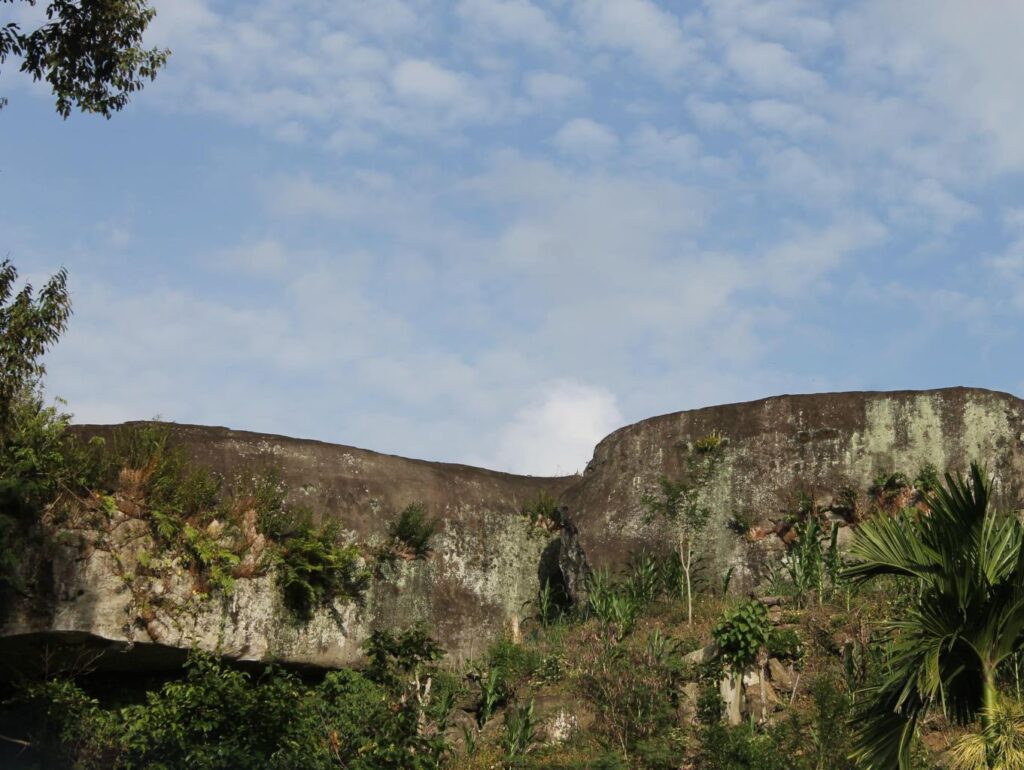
(989,697)
(684,559)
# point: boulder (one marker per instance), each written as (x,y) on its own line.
(780,675)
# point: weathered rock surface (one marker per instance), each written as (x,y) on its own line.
(478,581)
(777,447)
(488,559)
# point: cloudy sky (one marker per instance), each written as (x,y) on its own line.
(491,231)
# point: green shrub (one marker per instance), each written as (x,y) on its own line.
(613,604)
(516,662)
(545,512)
(395,658)
(634,691)
(927,479)
(741,748)
(784,644)
(494,690)
(644,578)
(661,752)
(742,634)
(314,567)
(888,484)
(520,730)
(215,563)
(219,718)
(411,532)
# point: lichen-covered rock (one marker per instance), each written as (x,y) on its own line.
(489,560)
(478,581)
(827,446)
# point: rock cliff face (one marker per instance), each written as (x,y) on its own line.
(779,449)
(481,575)
(488,559)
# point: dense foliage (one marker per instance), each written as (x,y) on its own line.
(220,718)
(89,52)
(966,562)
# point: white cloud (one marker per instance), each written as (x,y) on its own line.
(666,147)
(554,87)
(424,80)
(712,115)
(799,262)
(518,21)
(586,138)
(960,59)
(800,22)
(267,256)
(943,209)
(770,67)
(652,36)
(805,177)
(555,433)
(785,117)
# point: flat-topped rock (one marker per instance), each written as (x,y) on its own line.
(489,560)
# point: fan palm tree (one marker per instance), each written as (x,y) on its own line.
(966,559)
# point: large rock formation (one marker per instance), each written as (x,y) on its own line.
(477,583)
(489,560)
(780,448)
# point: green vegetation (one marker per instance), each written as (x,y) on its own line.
(965,561)
(608,684)
(680,504)
(411,532)
(219,718)
(315,567)
(89,52)
(546,512)
(742,635)
(217,532)
(809,568)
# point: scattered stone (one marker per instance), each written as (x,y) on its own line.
(780,675)
(701,656)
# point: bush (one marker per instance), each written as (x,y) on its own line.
(741,748)
(742,634)
(784,644)
(516,662)
(520,730)
(545,512)
(314,567)
(927,479)
(219,718)
(411,533)
(397,657)
(634,690)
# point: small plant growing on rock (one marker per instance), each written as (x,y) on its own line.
(927,479)
(411,533)
(520,730)
(545,512)
(314,567)
(493,692)
(741,638)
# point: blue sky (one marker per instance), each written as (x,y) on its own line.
(492,231)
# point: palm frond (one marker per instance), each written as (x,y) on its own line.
(882,731)
(890,546)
